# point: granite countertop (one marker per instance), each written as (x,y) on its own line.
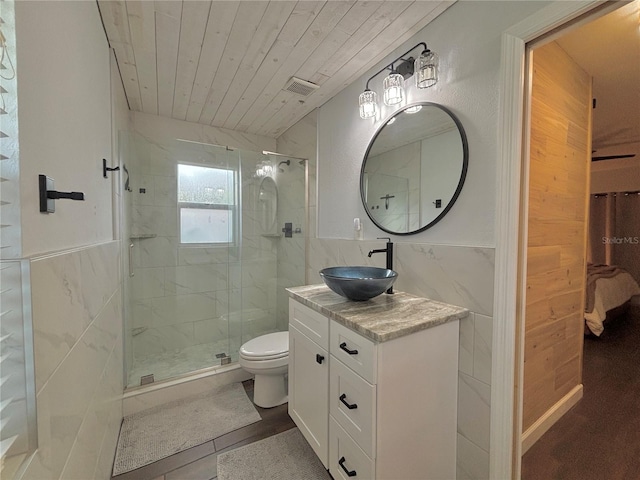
(382,318)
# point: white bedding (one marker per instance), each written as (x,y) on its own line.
(610,293)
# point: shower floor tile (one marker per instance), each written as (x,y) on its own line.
(178,362)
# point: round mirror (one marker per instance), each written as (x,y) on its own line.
(267,204)
(414,169)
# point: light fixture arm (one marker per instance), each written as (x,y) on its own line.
(389,66)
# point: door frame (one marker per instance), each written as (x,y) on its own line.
(512,164)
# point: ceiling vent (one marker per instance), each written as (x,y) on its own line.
(300,87)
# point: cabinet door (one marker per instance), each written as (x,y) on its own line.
(309,391)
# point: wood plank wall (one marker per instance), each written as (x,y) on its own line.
(557,221)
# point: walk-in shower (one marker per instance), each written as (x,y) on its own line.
(206,262)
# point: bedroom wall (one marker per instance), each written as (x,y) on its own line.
(620,175)
(556,243)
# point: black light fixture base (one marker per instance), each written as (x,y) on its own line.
(406,67)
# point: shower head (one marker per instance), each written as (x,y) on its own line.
(281,170)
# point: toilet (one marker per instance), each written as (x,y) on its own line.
(267,357)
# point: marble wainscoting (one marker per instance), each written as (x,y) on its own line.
(77,321)
(458,275)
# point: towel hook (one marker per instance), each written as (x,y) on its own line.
(106,169)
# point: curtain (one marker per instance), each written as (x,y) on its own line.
(625,244)
(596,250)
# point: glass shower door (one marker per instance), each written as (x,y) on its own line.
(181,222)
(207,252)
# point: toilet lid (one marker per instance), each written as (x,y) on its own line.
(272,345)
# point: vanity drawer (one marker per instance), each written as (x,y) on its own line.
(346,456)
(352,403)
(313,324)
(355,351)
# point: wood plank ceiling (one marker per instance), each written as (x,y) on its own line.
(225,63)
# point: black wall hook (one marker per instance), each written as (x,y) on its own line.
(48,195)
(106,169)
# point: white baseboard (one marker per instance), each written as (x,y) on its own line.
(551,416)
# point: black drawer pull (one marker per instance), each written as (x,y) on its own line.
(343,346)
(319,358)
(351,473)
(350,406)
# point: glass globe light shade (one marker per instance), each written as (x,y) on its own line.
(393,89)
(368,104)
(426,69)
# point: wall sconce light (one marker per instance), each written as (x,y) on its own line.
(425,67)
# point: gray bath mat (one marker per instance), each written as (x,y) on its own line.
(286,456)
(161,431)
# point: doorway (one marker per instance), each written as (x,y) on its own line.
(554,243)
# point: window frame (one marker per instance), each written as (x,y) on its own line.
(234,231)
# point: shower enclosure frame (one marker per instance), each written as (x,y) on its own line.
(249,326)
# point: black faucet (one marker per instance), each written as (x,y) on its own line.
(389,252)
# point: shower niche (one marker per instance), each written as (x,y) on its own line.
(206,266)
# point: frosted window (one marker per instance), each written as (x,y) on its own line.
(205,185)
(204,225)
(207,204)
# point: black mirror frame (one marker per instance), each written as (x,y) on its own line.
(463,174)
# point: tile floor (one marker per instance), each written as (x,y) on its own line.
(199,462)
(178,362)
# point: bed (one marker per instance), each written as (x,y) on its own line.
(608,287)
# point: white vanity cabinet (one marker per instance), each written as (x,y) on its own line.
(309,376)
(391,405)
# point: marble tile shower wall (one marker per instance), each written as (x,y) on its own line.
(454,274)
(182,295)
(298,141)
(77,318)
(291,251)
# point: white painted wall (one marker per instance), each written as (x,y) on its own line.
(65,120)
(64,115)
(620,175)
(467,38)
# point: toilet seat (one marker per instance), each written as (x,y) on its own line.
(266,347)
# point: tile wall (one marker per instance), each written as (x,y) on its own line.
(77,322)
(298,206)
(290,251)
(188,295)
